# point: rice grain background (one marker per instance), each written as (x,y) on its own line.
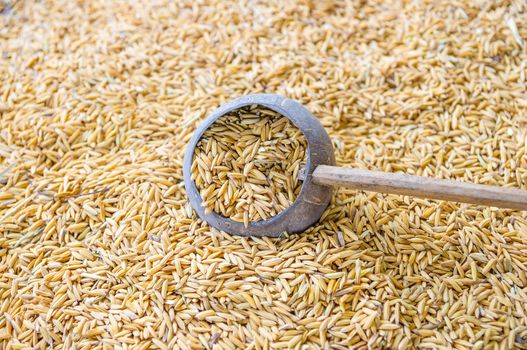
(99,248)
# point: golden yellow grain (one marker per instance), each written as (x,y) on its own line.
(99,247)
(246,164)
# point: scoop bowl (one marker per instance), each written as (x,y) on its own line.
(313,198)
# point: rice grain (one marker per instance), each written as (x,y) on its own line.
(99,247)
(246,164)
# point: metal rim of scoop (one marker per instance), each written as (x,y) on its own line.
(312,200)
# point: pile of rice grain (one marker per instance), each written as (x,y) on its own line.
(99,247)
(246,164)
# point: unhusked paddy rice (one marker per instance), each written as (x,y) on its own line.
(246,164)
(100,249)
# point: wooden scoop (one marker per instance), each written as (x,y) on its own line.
(320,175)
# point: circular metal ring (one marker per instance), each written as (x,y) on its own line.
(312,199)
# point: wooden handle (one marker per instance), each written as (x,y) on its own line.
(419,186)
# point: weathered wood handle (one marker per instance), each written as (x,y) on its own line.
(420,186)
